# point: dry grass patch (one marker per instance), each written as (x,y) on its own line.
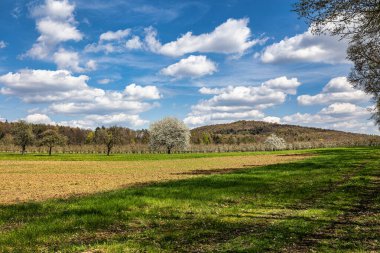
(22,181)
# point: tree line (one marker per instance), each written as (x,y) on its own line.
(171,135)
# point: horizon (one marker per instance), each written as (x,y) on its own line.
(130,63)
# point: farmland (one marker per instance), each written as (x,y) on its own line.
(322,200)
(39,180)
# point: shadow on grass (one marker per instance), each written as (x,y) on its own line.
(264,208)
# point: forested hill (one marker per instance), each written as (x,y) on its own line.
(239,132)
(257,131)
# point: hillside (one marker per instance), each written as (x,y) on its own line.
(257,131)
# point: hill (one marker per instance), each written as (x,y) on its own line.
(256,132)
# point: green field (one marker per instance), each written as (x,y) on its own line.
(134,157)
(325,203)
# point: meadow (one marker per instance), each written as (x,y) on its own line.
(323,200)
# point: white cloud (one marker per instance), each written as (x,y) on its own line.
(246,102)
(134,43)
(151,42)
(71,95)
(336,90)
(193,66)
(2,44)
(338,116)
(272,119)
(112,42)
(139,92)
(231,37)
(307,47)
(222,117)
(345,109)
(46,86)
(117,35)
(284,84)
(55,23)
(38,118)
(53,31)
(94,120)
(67,60)
(59,9)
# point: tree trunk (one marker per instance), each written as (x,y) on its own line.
(108,151)
(169,150)
(50,148)
(23,149)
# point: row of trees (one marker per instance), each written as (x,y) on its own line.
(172,135)
(23,136)
(168,133)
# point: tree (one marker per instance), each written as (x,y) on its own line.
(23,135)
(108,137)
(275,142)
(206,138)
(52,138)
(169,133)
(359,23)
(90,137)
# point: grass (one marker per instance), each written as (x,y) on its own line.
(131,157)
(314,204)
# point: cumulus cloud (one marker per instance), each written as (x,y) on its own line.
(345,109)
(55,22)
(231,37)
(134,43)
(306,47)
(38,118)
(247,102)
(70,60)
(192,66)
(287,85)
(34,86)
(336,90)
(71,95)
(339,116)
(138,92)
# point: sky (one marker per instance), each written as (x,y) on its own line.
(131,62)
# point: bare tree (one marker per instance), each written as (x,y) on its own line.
(52,138)
(275,142)
(23,135)
(169,133)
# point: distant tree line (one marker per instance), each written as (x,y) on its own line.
(171,135)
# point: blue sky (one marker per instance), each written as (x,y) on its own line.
(119,62)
